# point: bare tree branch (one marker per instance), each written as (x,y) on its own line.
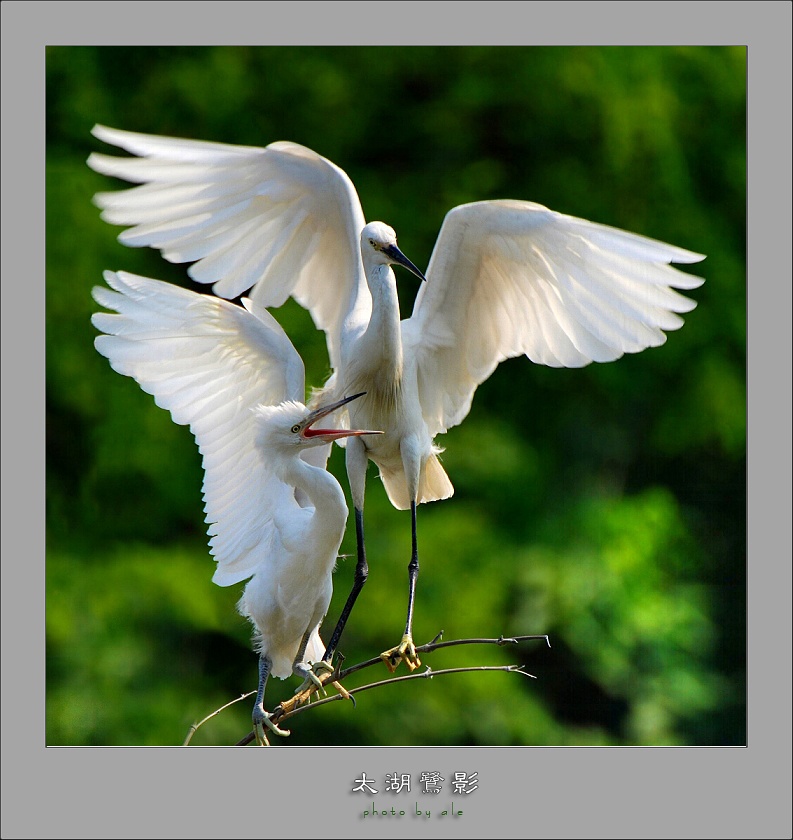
(301,700)
(427,674)
(436,644)
(194,728)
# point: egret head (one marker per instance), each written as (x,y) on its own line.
(379,245)
(290,426)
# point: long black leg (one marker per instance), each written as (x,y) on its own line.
(361,573)
(413,572)
(406,650)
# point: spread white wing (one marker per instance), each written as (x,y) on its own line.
(508,278)
(209,362)
(280,218)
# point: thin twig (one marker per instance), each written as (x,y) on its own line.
(194,728)
(279,714)
(423,675)
(435,644)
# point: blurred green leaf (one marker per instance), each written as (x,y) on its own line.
(604,506)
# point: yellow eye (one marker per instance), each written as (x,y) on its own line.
(296,428)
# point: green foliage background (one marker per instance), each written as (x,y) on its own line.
(603,506)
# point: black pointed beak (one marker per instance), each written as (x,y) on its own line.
(333,434)
(325,410)
(397,257)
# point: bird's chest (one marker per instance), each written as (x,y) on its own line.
(382,406)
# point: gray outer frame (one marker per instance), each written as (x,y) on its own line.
(527,791)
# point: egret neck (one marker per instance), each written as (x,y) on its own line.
(327,524)
(377,363)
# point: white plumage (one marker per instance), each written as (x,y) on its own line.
(506,278)
(233,376)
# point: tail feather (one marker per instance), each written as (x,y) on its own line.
(434,485)
(315,649)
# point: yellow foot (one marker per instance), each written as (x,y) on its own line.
(313,677)
(405,652)
(316,679)
(262,719)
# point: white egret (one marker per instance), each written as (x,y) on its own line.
(506,278)
(232,374)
